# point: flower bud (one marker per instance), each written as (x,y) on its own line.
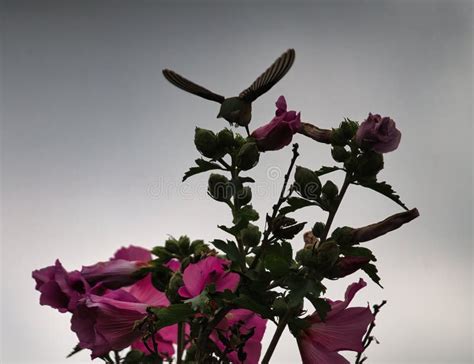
(327,255)
(248,156)
(219,187)
(310,240)
(244,196)
(349,129)
(330,190)
(174,284)
(205,142)
(251,235)
(340,154)
(369,164)
(318,229)
(225,138)
(307,183)
(348,265)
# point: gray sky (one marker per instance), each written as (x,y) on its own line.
(95,142)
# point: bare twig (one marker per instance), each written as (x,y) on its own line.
(368,338)
(276,208)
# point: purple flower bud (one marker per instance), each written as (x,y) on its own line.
(348,265)
(379,134)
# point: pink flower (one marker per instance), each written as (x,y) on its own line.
(211,270)
(107,322)
(119,270)
(234,330)
(279,132)
(379,134)
(343,329)
(59,289)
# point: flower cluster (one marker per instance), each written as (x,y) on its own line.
(210,302)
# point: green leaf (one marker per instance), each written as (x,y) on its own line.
(245,301)
(357,251)
(287,251)
(296,203)
(371,271)
(276,264)
(321,305)
(229,248)
(202,166)
(384,188)
(74,351)
(167,316)
(301,287)
(325,170)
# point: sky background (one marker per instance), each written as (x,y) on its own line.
(95,143)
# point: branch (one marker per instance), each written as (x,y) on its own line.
(380,228)
(276,337)
(313,132)
(368,338)
(276,207)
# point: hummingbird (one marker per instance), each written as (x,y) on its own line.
(238,109)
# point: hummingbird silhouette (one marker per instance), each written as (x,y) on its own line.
(238,109)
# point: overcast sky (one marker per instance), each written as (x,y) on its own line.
(95,142)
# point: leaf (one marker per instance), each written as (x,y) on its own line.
(384,188)
(321,305)
(167,316)
(357,251)
(296,203)
(229,248)
(276,264)
(325,170)
(299,288)
(371,271)
(74,351)
(247,302)
(202,166)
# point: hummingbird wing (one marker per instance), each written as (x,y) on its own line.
(191,87)
(270,77)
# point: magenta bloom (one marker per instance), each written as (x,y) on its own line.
(279,132)
(119,270)
(105,323)
(379,134)
(211,270)
(343,329)
(59,289)
(236,325)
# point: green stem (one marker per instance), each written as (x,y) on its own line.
(332,213)
(180,342)
(276,337)
(276,208)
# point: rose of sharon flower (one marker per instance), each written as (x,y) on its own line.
(343,329)
(107,322)
(60,289)
(119,270)
(278,132)
(211,270)
(235,328)
(379,134)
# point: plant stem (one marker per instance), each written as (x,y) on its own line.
(368,338)
(276,337)
(117,357)
(276,207)
(204,335)
(180,342)
(332,213)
